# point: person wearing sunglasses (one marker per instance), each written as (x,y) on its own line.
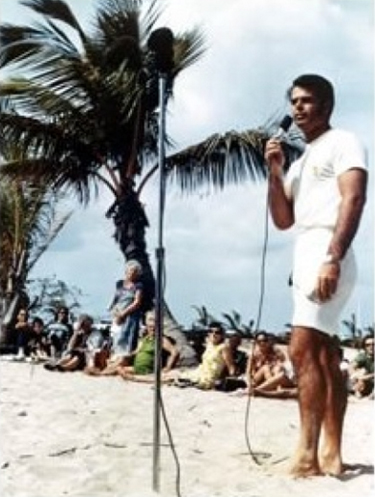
(268,370)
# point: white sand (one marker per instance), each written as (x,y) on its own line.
(67,434)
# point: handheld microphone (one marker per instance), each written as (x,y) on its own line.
(284,125)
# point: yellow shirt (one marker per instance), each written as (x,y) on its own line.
(211,367)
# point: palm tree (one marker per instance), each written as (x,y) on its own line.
(370,330)
(355,333)
(87,112)
(204,317)
(29,223)
(48,294)
(234,321)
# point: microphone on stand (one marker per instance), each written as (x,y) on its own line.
(283,128)
(161,44)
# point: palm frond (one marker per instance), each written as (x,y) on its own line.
(55,9)
(230,319)
(90,106)
(219,159)
(188,49)
(48,237)
(50,155)
(35,46)
(29,222)
(233,157)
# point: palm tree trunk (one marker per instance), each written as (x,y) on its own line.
(172,329)
(130,233)
(13,298)
(7,320)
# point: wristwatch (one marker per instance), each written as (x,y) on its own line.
(331,259)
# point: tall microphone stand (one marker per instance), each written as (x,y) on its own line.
(159,284)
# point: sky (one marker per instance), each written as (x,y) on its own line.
(214,241)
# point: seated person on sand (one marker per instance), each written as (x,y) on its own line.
(22,330)
(74,359)
(59,333)
(98,350)
(38,343)
(268,371)
(361,370)
(230,382)
(140,363)
(217,360)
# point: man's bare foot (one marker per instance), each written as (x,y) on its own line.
(331,465)
(304,465)
(301,470)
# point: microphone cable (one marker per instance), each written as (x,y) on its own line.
(283,128)
(255,457)
(172,446)
(160,399)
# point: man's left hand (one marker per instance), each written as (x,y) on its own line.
(327,281)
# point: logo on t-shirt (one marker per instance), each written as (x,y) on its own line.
(323,171)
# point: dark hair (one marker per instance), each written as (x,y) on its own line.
(64,309)
(217,325)
(320,87)
(369,336)
(37,320)
(85,319)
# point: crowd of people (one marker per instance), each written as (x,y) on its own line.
(258,367)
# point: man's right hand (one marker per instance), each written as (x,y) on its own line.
(274,156)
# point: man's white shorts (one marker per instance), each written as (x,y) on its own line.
(310,249)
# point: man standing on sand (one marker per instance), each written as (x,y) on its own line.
(322,195)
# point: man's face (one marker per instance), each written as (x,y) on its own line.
(308,113)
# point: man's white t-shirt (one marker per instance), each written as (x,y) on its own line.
(312,179)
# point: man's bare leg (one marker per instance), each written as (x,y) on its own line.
(330,451)
(312,393)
